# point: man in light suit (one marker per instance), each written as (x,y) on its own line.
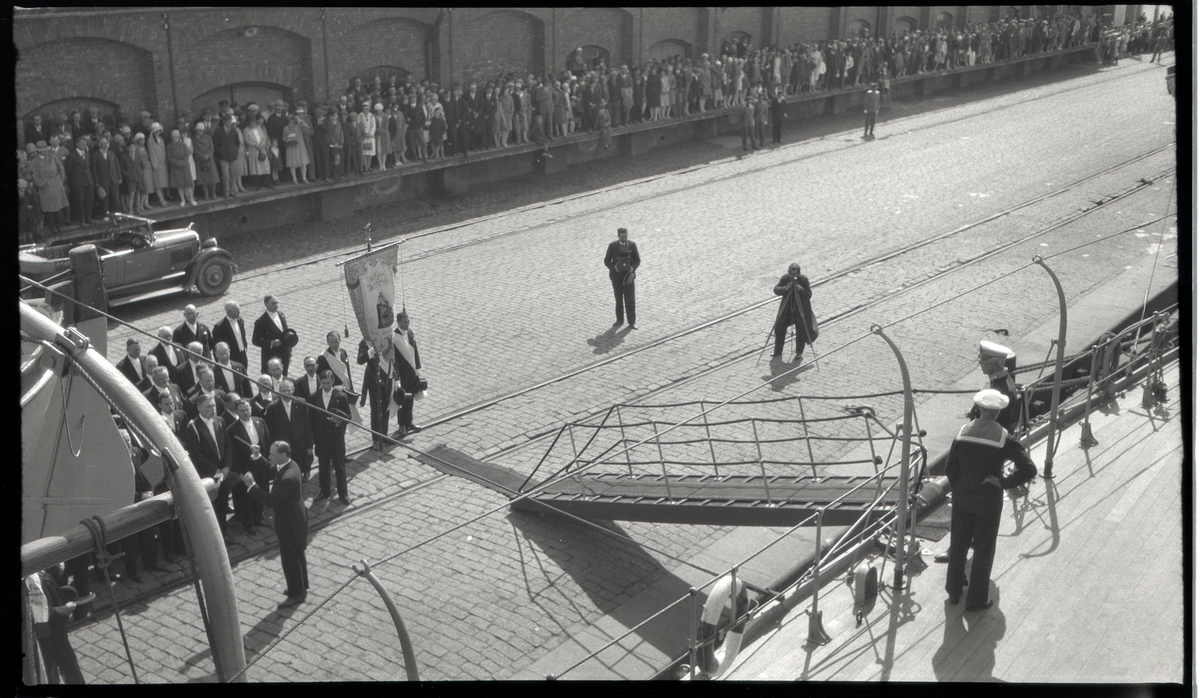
(289,419)
(231,329)
(207,445)
(329,435)
(285,498)
(190,330)
(270,331)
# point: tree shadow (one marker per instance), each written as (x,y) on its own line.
(607,340)
(614,572)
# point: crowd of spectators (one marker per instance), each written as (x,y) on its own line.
(77,167)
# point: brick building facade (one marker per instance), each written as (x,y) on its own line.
(172,61)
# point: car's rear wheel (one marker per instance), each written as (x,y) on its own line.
(214,277)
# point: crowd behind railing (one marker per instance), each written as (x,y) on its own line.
(79,167)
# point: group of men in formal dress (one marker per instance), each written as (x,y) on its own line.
(232,425)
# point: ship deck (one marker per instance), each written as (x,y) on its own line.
(1087,585)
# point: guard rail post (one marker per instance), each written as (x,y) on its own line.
(1052,433)
(906,448)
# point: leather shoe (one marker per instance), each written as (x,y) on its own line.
(413,428)
(320,497)
(984,607)
(400,433)
(344,500)
(942,557)
(292,601)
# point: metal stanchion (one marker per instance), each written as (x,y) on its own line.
(902,504)
(1052,433)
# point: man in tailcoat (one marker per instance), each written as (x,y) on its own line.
(285,497)
(106,172)
(270,334)
(406,361)
(192,330)
(376,387)
(329,435)
(289,419)
(248,435)
(231,329)
(205,440)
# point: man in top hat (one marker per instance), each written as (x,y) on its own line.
(975,468)
(997,363)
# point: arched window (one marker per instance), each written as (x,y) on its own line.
(858,29)
(108,110)
(243,93)
(667,48)
(945,20)
(385,73)
(905,24)
(593,55)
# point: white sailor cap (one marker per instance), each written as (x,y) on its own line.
(998,351)
(989,399)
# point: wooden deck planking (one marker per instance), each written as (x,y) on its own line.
(1105,606)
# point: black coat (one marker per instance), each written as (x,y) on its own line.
(207,456)
(265,332)
(329,432)
(296,430)
(286,500)
(229,332)
(184,336)
(410,380)
(788,310)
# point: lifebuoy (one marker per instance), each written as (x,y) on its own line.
(714,660)
(866,590)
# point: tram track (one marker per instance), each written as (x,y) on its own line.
(750,352)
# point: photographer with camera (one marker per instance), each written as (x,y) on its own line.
(795,308)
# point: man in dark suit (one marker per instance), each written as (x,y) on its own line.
(187,374)
(260,402)
(37,131)
(622,260)
(291,519)
(458,122)
(329,435)
(247,437)
(206,444)
(80,184)
(407,361)
(205,386)
(131,366)
(308,384)
(289,419)
(231,329)
(226,141)
(230,375)
(175,419)
(161,385)
(270,333)
(106,172)
(376,386)
(169,356)
(191,330)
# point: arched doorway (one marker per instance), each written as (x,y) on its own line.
(108,110)
(904,25)
(668,48)
(945,20)
(593,55)
(243,93)
(858,29)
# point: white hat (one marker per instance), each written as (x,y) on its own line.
(989,399)
(992,349)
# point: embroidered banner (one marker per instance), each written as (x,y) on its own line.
(371,282)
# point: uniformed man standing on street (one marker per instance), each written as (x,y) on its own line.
(997,361)
(622,260)
(975,469)
(870,110)
(795,309)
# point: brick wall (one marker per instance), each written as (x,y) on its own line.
(607,27)
(804,24)
(115,75)
(687,24)
(750,20)
(488,44)
(397,41)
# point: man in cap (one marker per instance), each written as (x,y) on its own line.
(997,362)
(975,468)
(622,260)
(870,110)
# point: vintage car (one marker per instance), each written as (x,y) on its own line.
(138,260)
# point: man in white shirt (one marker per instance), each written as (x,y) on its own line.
(166,352)
(248,437)
(161,385)
(187,375)
(230,375)
(270,332)
(289,419)
(192,330)
(131,366)
(231,329)
(308,384)
(329,435)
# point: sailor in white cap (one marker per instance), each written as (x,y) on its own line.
(975,468)
(997,361)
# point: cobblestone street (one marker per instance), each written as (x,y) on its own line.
(512,298)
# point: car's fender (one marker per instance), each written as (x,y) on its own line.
(202,257)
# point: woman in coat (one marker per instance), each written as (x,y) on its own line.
(519,125)
(491,115)
(295,156)
(383,138)
(504,115)
(654,94)
(146,182)
(48,177)
(398,131)
(160,178)
(257,161)
(179,158)
(131,177)
(207,174)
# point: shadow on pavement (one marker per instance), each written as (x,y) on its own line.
(613,571)
(607,340)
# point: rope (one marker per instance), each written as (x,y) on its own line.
(1157,250)
(103,559)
